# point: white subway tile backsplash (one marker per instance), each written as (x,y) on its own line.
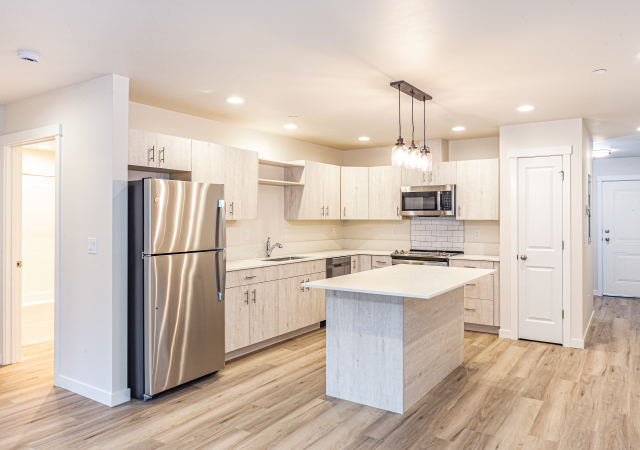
(437,234)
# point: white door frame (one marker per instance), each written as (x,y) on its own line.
(565,152)
(11,334)
(599,180)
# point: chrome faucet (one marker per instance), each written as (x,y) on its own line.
(270,249)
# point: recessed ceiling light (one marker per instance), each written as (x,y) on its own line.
(599,71)
(290,126)
(638,55)
(44,146)
(29,56)
(235,100)
(363,138)
(638,128)
(524,108)
(458,128)
(601,152)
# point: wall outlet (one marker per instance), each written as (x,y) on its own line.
(334,231)
(394,232)
(246,235)
(476,234)
(93,246)
(286,234)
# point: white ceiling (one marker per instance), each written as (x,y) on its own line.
(330,62)
(622,147)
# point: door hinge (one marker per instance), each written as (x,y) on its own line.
(562,172)
(563,313)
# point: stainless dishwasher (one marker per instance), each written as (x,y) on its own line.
(338,266)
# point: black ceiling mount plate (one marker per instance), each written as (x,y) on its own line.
(408,89)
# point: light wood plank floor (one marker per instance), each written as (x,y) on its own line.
(506,395)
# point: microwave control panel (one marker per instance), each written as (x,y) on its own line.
(445,201)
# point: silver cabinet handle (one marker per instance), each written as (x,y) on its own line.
(250,276)
(152,154)
(398,211)
(301,286)
(247,297)
(469,309)
(307,282)
(523,257)
(323,211)
(423,177)
(459,210)
(327,210)
(161,155)
(607,239)
(231,212)
(254,296)
(354,264)
(381,262)
(345,211)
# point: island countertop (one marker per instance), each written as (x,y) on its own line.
(403,280)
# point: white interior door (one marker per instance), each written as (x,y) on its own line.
(540,248)
(621,238)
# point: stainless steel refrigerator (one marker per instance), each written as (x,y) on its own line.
(176,283)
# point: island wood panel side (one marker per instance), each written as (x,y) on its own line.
(364,349)
(433,342)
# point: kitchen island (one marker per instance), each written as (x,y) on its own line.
(394,333)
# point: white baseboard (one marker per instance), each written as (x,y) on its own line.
(94,393)
(579,343)
(507,334)
(597,292)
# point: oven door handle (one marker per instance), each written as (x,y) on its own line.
(421,263)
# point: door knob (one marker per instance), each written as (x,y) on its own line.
(606,239)
(606,231)
(523,257)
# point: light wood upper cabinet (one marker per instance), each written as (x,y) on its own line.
(240,183)
(143,150)
(331,189)
(314,190)
(206,163)
(443,173)
(384,193)
(354,193)
(319,198)
(478,190)
(413,177)
(174,153)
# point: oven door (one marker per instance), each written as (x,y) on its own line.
(421,203)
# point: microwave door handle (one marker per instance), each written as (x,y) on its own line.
(438,196)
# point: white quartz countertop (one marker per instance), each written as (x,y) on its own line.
(476,257)
(403,280)
(260,262)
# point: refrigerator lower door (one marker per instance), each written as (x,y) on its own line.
(184,319)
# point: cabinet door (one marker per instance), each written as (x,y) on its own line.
(384,193)
(478,311)
(331,188)
(314,190)
(354,193)
(355,267)
(443,173)
(411,177)
(206,163)
(478,190)
(143,151)
(236,318)
(174,152)
(290,295)
(364,263)
(317,300)
(240,183)
(264,311)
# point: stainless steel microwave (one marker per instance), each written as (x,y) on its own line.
(429,200)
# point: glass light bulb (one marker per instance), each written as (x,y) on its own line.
(398,155)
(414,158)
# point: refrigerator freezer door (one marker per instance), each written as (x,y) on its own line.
(182,216)
(184,319)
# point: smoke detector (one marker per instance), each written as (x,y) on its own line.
(29,56)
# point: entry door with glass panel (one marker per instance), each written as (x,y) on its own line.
(540,248)
(621,238)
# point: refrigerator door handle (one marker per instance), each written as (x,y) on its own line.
(221,236)
(221,273)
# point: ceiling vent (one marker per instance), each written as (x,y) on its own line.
(29,56)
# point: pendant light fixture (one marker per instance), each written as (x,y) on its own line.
(399,152)
(401,155)
(426,160)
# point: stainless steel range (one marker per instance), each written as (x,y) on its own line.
(426,258)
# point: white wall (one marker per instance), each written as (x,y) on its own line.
(606,167)
(38,242)
(571,132)
(468,149)
(92,332)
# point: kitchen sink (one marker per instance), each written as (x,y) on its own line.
(285,258)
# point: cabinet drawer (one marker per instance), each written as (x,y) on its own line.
(380,261)
(478,311)
(251,276)
(479,289)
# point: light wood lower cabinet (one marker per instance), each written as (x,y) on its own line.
(378,262)
(236,318)
(263,305)
(364,263)
(481,299)
(317,300)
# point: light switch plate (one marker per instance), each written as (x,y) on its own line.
(476,234)
(246,235)
(93,246)
(286,234)
(394,232)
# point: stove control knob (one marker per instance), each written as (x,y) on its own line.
(396,252)
(402,251)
